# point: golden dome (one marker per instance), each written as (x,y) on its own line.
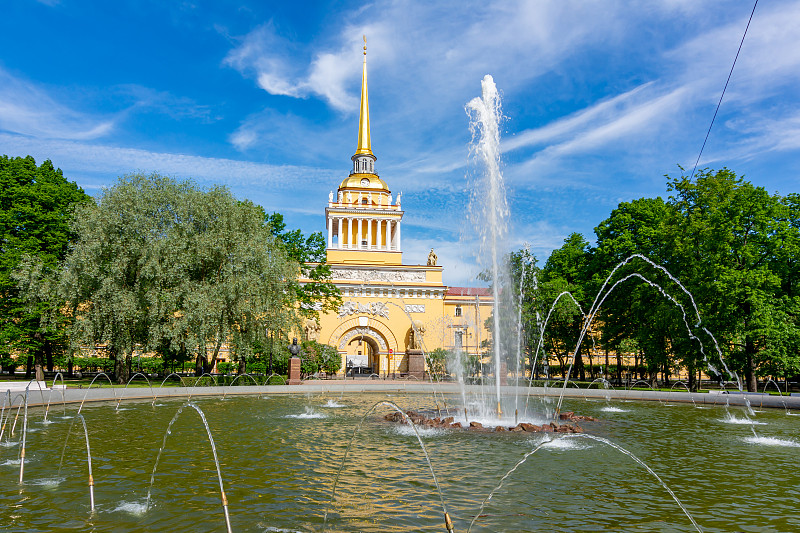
(356,181)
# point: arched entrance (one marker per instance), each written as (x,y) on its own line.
(378,345)
(362,356)
(364,346)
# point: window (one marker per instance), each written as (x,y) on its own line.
(364,201)
(458,310)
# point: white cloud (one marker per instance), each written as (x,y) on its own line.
(81,158)
(27,110)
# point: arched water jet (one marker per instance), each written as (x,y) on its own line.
(89,462)
(21,397)
(50,396)
(80,408)
(266,381)
(780,394)
(223,497)
(122,394)
(197,380)
(448,522)
(605,384)
(225,392)
(155,396)
(598,439)
(649,386)
(603,294)
(24,436)
(672,389)
(541,336)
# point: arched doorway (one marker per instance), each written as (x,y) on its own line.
(362,356)
(363,350)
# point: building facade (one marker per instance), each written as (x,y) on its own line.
(391,312)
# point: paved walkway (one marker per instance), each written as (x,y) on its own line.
(37,397)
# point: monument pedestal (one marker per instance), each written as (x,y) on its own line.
(294,371)
(416,364)
(503,374)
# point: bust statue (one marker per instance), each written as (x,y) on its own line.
(432,258)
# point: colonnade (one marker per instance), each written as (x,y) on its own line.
(386,233)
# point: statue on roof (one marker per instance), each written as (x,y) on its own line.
(432,258)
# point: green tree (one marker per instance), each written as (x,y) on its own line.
(319,293)
(36,204)
(566,271)
(164,264)
(731,235)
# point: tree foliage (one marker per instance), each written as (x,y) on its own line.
(159,264)
(732,246)
(36,203)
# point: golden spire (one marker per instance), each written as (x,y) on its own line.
(364,145)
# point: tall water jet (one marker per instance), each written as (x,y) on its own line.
(489,206)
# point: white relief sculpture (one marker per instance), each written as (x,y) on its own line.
(341,195)
(316,306)
(369,197)
(362,332)
(371,308)
(377,275)
(347,308)
(349,197)
(415,308)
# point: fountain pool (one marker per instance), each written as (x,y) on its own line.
(279,456)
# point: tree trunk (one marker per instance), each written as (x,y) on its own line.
(749,369)
(242,366)
(619,367)
(69,367)
(692,380)
(199,365)
(121,368)
(48,353)
(29,367)
(39,364)
(605,372)
(579,365)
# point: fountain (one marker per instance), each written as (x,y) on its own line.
(280,464)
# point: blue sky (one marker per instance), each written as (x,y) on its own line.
(600,99)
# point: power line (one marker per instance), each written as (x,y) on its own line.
(723,91)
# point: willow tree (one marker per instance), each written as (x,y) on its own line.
(158,262)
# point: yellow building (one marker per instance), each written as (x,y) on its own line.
(391,312)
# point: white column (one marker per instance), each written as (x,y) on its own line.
(398,235)
(330,231)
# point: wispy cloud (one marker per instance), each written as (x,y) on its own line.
(280,68)
(27,110)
